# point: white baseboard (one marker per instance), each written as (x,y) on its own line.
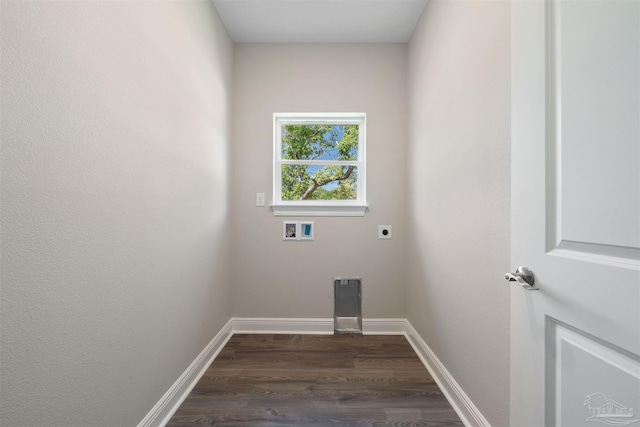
(258,325)
(461,403)
(383,326)
(169,403)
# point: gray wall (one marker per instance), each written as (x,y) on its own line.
(115,267)
(458,180)
(273,278)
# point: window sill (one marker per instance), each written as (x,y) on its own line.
(318,210)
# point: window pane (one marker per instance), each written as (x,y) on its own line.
(306,182)
(320,142)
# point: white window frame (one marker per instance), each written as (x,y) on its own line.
(319,207)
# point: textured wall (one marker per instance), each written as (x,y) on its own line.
(459,184)
(273,278)
(115,269)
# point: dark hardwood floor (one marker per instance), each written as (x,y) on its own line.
(321,380)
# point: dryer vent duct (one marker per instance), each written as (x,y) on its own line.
(347,317)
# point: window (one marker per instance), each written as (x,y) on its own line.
(319,164)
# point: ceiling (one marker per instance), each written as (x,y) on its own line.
(320,21)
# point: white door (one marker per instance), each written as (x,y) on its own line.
(575,342)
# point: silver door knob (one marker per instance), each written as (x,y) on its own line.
(524,276)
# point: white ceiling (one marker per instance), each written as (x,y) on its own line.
(320,21)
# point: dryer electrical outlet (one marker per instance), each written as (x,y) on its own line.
(384,232)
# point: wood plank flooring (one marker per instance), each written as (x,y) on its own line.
(319,380)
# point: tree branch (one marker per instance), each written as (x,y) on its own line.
(317,184)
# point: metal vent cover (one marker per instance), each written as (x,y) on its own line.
(347,317)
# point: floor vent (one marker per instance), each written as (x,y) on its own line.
(347,317)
